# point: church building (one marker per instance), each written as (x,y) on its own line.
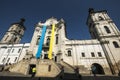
(49,42)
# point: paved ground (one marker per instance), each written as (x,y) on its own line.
(14,76)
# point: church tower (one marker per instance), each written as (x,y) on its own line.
(14,33)
(102,27)
(48,39)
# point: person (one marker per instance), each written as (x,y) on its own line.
(77,73)
(33,71)
(93,70)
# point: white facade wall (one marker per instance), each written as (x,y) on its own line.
(12,53)
(86,47)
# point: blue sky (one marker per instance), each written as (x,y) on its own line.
(74,12)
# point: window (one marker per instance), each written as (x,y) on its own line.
(99,54)
(8,60)
(69,52)
(12,50)
(101,18)
(107,29)
(56,39)
(19,31)
(92,54)
(48,41)
(15,59)
(115,44)
(49,32)
(83,54)
(19,50)
(8,51)
(15,39)
(6,38)
(3,60)
(38,40)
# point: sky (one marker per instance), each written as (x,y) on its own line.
(74,12)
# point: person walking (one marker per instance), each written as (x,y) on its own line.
(33,71)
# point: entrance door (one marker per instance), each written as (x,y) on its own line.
(55,58)
(30,68)
(45,56)
(98,69)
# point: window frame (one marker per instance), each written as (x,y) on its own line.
(99,54)
(83,54)
(69,53)
(115,44)
(107,29)
(92,54)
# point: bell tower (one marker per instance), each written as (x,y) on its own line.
(102,27)
(14,33)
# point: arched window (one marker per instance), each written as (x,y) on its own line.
(101,18)
(107,29)
(69,52)
(19,31)
(38,40)
(49,32)
(15,39)
(115,44)
(48,41)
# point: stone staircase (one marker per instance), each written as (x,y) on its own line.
(58,71)
(69,72)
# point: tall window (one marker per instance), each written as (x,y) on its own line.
(83,54)
(15,59)
(115,44)
(8,51)
(15,39)
(48,41)
(12,50)
(56,39)
(99,54)
(38,40)
(8,60)
(19,31)
(69,52)
(19,50)
(107,29)
(92,54)
(3,60)
(6,38)
(101,18)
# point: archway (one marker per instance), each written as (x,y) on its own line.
(98,69)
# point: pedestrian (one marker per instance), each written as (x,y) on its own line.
(33,71)
(93,70)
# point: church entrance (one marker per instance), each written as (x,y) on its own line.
(31,66)
(97,69)
(45,56)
